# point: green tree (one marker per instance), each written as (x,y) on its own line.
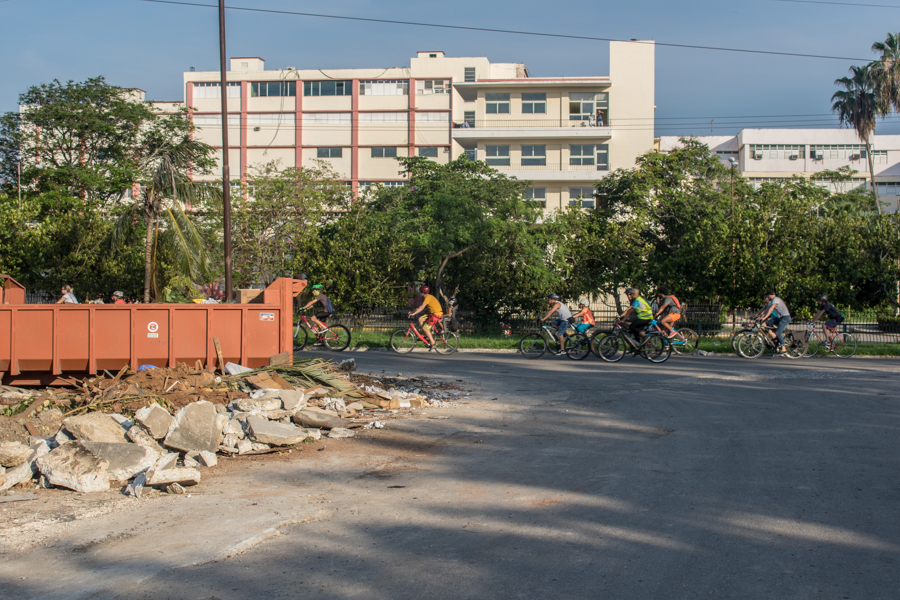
(858,105)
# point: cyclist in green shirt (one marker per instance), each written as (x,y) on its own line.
(638,315)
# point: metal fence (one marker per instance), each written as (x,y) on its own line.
(40,298)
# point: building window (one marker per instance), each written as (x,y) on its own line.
(383,117)
(428,151)
(427,87)
(329,152)
(272,88)
(581,106)
(497,104)
(206,89)
(581,154)
(536,195)
(534,103)
(832,151)
(534,156)
(470,74)
(603,157)
(364,185)
(888,188)
(384,87)
(384,152)
(788,151)
(497,156)
(233,120)
(469,118)
(326,118)
(581,196)
(432,117)
(327,88)
(271,119)
(472,154)
(879,157)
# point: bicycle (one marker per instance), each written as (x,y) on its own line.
(404,340)
(335,337)
(534,345)
(842,345)
(685,341)
(754,342)
(612,346)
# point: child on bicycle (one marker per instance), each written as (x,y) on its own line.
(434,316)
(327,307)
(834,317)
(585,315)
(669,310)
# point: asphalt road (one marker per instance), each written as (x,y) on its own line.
(698,478)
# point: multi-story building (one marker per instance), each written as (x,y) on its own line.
(561,133)
(765,155)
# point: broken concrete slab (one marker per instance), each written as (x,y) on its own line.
(13,454)
(194,428)
(233,427)
(314,434)
(249,404)
(75,467)
(2,475)
(62,437)
(136,487)
(125,460)
(190,462)
(308,418)
(235,369)
(166,471)
(341,432)
(244,446)
(155,419)
(26,470)
(95,427)
(207,459)
(139,435)
(257,446)
(263,431)
(277,415)
(122,420)
(231,441)
(291,400)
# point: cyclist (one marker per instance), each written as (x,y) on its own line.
(562,320)
(834,317)
(669,309)
(638,315)
(327,307)
(435,313)
(778,316)
(586,315)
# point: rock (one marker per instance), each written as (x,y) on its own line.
(249,404)
(138,435)
(220,408)
(277,415)
(256,446)
(340,432)
(155,419)
(125,460)
(355,406)
(231,440)
(95,427)
(190,462)
(75,467)
(122,420)
(244,446)
(26,470)
(348,365)
(318,420)
(275,434)
(166,471)
(62,437)
(174,488)
(314,434)
(208,459)
(221,420)
(136,487)
(2,475)
(292,400)
(194,428)
(241,416)
(233,427)
(13,454)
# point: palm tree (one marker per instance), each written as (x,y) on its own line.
(886,71)
(857,106)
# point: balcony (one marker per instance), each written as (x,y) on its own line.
(528,128)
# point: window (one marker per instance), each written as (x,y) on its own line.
(272,88)
(327,88)
(427,87)
(271,119)
(534,103)
(603,157)
(364,185)
(207,89)
(470,74)
(788,151)
(581,196)
(383,117)
(879,157)
(581,154)
(323,118)
(888,188)
(849,151)
(581,106)
(497,155)
(432,117)
(534,155)
(329,152)
(384,152)
(536,195)
(429,151)
(216,120)
(469,118)
(384,87)
(472,154)
(497,104)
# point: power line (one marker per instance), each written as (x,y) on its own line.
(839,3)
(507,31)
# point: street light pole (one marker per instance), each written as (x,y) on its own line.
(226,170)
(731,160)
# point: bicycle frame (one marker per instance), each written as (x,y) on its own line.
(672,342)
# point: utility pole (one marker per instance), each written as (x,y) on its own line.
(226,170)
(19,182)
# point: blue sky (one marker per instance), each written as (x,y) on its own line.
(148,45)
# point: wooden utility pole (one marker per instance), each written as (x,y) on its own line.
(226,170)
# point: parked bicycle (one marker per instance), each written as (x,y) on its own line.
(753,343)
(612,346)
(404,340)
(333,337)
(535,345)
(842,345)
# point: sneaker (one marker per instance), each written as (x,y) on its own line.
(557,352)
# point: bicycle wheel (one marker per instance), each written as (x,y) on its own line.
(814,346)
(795,347)
(578,346)
(336,338)
(687,343)
(656,349)
(446,343)
(533,345)
(595,340)
(403,341)
(736,338)
(611,347)
(301,338)
(843,345)
(751,345)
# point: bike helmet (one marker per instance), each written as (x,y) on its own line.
(318,286)
(118,294)
(630,290)
(425,289)
(453,300)
(552,296)
(582,302)
(822,298)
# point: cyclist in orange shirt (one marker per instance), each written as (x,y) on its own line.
(585,315)
(435,313)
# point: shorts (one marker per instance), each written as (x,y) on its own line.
(561,325)
(582,327)
(831,323)
(675,316)
(433,320)
(322,316)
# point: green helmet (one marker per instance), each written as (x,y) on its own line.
(318,286)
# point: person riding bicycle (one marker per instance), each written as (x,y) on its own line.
(669,310)
(585,315)
(327,307)
(638,315)
(562,320)
(834,317)
(777,315)
(435,313)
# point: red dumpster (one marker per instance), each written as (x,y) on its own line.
(12,291)
(40,344)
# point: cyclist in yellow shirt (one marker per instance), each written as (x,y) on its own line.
(638,315)
(435,313)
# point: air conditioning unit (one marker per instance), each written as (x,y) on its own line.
(853,157)
(256,129)
(757,156)
(793,157)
